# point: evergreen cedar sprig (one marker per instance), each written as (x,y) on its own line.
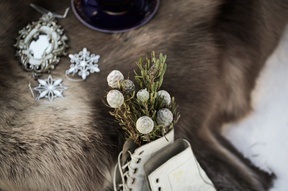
(150,76)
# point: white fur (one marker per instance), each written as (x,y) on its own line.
(263,135)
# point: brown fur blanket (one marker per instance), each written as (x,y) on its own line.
(215,48)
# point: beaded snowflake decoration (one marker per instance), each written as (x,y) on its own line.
(49,88)
(84,63)
(146,114)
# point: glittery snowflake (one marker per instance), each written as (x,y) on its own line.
(83,63)
(49,88)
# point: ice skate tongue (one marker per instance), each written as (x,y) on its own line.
(130,146)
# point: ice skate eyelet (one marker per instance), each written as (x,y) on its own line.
(134,180)
(135,170)
(157,180)
(138,161)
(141,152)
(159,189)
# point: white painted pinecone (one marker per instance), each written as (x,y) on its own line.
(164,117)
(115,98)
(114,78)
(142,95)
(127,86)
(165,95)
(144,124)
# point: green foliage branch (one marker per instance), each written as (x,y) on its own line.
(150,76)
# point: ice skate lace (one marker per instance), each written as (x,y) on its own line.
(127,173)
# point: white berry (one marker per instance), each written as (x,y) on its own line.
(165,96)
(144,124)
(114,78)
(142,95)
(115,98)
(164,117)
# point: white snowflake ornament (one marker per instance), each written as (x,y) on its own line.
(145,125)
(83,63)
(49,88)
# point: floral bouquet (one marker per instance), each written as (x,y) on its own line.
(144,111)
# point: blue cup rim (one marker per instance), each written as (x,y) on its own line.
(139,24)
